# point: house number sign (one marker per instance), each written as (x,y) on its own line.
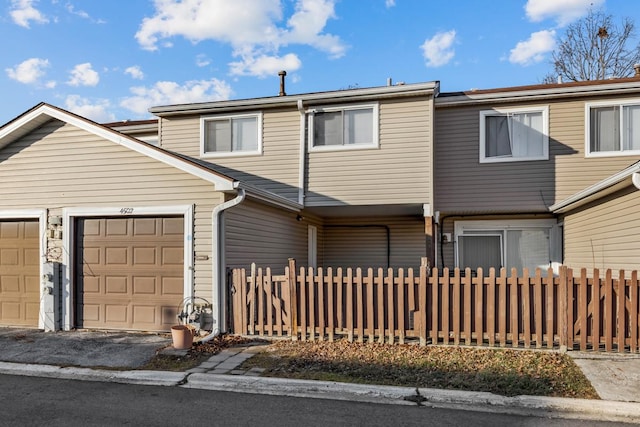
(126,211)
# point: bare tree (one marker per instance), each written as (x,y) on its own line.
(594,48)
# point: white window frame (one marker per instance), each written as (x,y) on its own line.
(205,119)
(587,127)
(488,226)
(506,111)
(330,109)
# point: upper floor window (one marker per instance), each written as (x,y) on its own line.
(231,135)
(509,135)
(613,128)
(353,126)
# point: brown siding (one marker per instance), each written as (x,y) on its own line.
(605,234)
(275,170)
(265,235)
(59,165)
(362,242)
(396,172)
(464,185)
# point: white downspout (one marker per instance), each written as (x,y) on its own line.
(218,279)
(303,152)
(635,178)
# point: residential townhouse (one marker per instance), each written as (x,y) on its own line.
(118,226)
(538,176)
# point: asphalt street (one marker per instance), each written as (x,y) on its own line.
(55,402)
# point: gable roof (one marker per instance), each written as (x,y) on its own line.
(43,113)
(618,181)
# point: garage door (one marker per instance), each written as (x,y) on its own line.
(19,273)
(132,272)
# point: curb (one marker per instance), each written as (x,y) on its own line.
(160,378)
(548,407)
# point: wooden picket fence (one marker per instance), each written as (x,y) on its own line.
(586,311)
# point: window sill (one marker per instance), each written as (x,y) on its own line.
(513,160)
(230,154)
(331,148)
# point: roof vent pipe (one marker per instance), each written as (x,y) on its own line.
(282,75)
(637,68)
(389,81)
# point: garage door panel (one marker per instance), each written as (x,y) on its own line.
(144,285)
(10,284)
(117,256)
(172,286)
(172,227)
(116,314)
(145,256)
(117,227)
(142,273)
(9,257)
(19,272)
(116,285)
(10,230)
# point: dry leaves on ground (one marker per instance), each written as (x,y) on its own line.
(507,372)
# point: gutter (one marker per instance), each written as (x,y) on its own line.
(218,279)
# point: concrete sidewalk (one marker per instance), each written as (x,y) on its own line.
(71,355)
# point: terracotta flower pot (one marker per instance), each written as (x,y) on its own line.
(182,337)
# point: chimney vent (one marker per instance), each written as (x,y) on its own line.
(282,75)
(637,68)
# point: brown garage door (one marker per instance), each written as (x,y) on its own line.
(132,272)
(19,272)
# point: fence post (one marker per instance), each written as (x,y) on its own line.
(563,304)
(293,299)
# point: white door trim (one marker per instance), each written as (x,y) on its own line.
(68,242)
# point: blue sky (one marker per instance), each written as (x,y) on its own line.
(112,60)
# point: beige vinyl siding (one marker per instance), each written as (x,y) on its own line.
(397,172)
(462,184)
(362,242)
(275,170)
(265,235)
(605,234)
(59,165)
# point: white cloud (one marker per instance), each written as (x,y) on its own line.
(135,72)
(83,75)
(23,11)
(562,11)
(28,71)
(307,23)
(390,3)
(255,32)
(263,65)
(533,50)
(438,49)
(97,111)
(168,93)
(202,60)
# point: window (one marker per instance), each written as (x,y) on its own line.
(613,129)
(231,135)
(510,244)
(514,135)
(343,127)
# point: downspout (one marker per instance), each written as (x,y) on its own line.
(303,152)
(635,178)
(218,279)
